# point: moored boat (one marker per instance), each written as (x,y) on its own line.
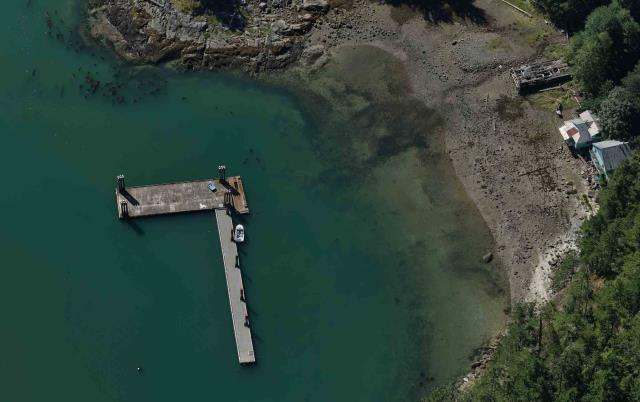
(238,234)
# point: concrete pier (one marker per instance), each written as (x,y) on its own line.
(235,288)
(191,196)
(171,198)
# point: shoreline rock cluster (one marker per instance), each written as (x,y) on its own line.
(252,35)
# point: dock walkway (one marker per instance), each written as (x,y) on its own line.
(192,196)
(239,312)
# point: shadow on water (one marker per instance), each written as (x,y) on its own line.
(251,310)
(245,277)
(241,251)
(256,337)
(443,11)
(134,226)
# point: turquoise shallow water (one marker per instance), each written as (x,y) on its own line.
(364,280)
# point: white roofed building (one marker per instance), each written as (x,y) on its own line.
(592,122)
(581,132)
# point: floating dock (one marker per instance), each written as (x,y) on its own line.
(192,196)
(173,198)
(237,298)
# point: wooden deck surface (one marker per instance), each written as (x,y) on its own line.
(188,196)
(239,196)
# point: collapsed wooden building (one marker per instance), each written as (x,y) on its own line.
(535,76)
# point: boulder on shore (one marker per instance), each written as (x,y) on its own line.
(315,5)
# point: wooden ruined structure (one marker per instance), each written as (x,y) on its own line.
(539,75)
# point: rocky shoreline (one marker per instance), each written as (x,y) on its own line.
(253,36)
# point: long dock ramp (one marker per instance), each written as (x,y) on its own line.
(223,195)
(237,299)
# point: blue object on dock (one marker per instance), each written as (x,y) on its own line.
(212,187)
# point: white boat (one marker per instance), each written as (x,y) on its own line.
(238,234)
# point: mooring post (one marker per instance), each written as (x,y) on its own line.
(228,201)
(222,173)
(121,183)
(124,209)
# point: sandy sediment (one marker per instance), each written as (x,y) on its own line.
(505,150)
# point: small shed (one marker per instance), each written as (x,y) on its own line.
(581,132)
(608,155)
(535,76)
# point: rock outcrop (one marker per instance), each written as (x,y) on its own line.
(251,35)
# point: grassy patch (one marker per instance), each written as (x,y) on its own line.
(536,37)
(187,6)
(498,43)
(531,30)
(212,20)
(523,24)
(549,100)
(215,27)
(556,51)
(586,202)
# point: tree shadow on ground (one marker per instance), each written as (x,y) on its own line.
(437,11)
(227,12)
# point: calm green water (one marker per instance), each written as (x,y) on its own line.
(363,261)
